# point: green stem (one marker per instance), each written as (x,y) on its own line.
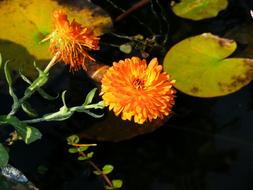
(28,95)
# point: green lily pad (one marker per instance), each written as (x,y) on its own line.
(25,23)
(198,9)
(201,68)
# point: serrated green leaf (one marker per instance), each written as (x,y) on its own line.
(27,108)
(90,96)
(117,183)
(107,169)
(73,139)
(73,150)
(4,156)
(28,134)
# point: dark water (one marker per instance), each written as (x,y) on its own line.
(207,145)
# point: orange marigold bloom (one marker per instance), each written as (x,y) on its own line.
(136,90)
(72,41)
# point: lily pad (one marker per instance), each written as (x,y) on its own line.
(198,9)
(201,68)
(24,23)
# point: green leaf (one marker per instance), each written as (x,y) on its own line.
(90,155)
(83,148)
(200,67)
(90,96)
(107,169)
(73,139)
(117,183)
(28,134)
(125,48)
(198,9)
(73,150)
(97,172)
(4,156)
(28,109)
(7,74)
(46,95)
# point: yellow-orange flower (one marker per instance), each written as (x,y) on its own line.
(132,88)
(72,41)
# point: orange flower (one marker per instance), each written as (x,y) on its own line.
(136,90)
(72,41)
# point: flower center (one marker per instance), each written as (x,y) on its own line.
(138,83)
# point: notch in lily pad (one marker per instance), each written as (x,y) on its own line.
(201,67)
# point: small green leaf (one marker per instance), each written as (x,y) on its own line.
(90,96)
(73,139)
(108,187)
(117,183)
(97,172)
(125,48)
(82,158)
(28,109)
(90,155)
(4,156)
(198,9)
(107,169)
(83,148)
(73,150)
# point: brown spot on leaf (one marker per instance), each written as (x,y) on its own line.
(225,42)
(195,89)
(239,80)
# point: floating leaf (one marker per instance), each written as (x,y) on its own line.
(4,156)
(25,23)
(198,9)
(107,169)
(200,67)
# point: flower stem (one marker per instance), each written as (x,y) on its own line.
(17,105)
(104,176)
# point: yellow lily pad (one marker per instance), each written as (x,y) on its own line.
(198,9)
(201,68)
(24,23)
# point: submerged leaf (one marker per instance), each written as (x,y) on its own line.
(4,156)
(25,23)
(200,67)
(198,9)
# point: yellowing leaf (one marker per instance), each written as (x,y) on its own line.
(198,9)
(200,67)
(24,23)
